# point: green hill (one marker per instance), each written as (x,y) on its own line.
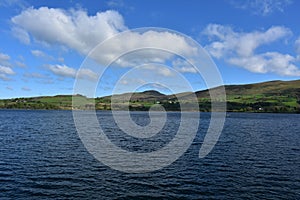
(272,96)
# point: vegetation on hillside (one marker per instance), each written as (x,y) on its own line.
(273,96)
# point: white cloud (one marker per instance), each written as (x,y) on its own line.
(268,62)
(240,43)
(156,70)
(238,48)
(3,77)
(6,70)
(61,59)
(165,71)
(142,43)
(41,54)
(76,30)
(65,71)
(133,81)
(38,53)
(21,64)
(21,35)
(183,67)
(87,74)
(4,59)
(262,7)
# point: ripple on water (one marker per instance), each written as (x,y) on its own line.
(256,157)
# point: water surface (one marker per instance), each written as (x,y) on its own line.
(42,157)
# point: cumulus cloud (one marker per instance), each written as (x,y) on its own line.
(65,71)
(238,48)
(5,72)
(74,28)
(262,7)
(268,62)
(243,44)
(140,44)
(77,30)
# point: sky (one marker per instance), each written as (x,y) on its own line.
(44,44)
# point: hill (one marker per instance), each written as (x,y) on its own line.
(272,96)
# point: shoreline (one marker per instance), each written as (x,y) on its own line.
(168,111)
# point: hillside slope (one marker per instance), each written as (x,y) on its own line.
(272,96)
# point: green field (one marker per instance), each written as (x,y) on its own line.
(273,96)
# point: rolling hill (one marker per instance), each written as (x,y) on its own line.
(272,96)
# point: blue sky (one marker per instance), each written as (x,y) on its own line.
(44,43)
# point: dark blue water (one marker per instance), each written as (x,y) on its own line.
(42,157)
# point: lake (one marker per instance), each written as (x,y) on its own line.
(256,157)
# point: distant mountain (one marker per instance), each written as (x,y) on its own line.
(272,96)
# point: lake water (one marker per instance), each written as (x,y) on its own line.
(256,157)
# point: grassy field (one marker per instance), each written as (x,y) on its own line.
(273,96)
